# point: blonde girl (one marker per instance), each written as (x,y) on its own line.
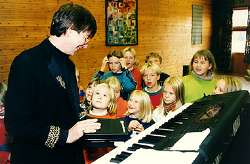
(102,106)
(122,105)
(103,102)
(173,98)
(139,114)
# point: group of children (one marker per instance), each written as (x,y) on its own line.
(147,95)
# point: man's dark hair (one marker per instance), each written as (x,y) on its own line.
(75,17)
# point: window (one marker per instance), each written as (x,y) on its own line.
(196,33)
(239,30)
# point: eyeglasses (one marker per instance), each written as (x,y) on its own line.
(85,35)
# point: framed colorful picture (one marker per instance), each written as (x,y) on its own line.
(121,22)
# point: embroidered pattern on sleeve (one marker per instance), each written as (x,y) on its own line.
(53,136)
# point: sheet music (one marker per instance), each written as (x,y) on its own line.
(150,156)
(191,141)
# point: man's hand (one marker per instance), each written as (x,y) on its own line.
(81,127)
(104,63)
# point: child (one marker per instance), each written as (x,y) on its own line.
(102,102)
(139,114)
(5,152)
(122,105)
(81,92)
(151,75)
(117,67)
(227,84)
(102,106)
(131,63)
(88,96)
(201,80)
(154,57)
(173,98)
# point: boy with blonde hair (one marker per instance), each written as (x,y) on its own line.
(151,75)
(156,58)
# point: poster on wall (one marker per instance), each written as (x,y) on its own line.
(121,22)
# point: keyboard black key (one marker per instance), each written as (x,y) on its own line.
(162,132)
(126,153)
(150,139)
(116,160)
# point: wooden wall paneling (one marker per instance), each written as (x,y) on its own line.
(164,26)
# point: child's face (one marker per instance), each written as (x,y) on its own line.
(100,98)
(134,105)
(114,64)
(168,94)
(155,61)
(220,87)
(201,66)
(89,92)
(130,59)
(150,78)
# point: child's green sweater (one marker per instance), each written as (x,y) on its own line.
(195,87)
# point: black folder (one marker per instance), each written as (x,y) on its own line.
(111,130)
